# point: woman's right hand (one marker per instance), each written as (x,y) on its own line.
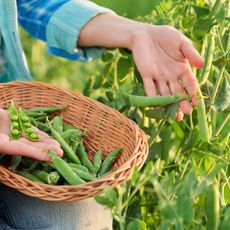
(23,146)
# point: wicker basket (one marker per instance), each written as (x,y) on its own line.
(106,129)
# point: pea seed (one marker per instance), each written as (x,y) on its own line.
(29,130)
(25,118)
(33,136)
(14,117)
(15,132)
(15,124)
(27,125)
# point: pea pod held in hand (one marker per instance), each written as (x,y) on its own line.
(65,170)
(26,127)
(144,101)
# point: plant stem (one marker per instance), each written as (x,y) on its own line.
(158,130)
(222,125)
(216,86)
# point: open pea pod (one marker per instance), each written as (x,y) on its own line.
(26,126)
(14,122)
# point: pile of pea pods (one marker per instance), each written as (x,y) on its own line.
(74,167)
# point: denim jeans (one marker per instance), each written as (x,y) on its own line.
(18,211)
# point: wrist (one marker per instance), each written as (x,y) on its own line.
(111,31)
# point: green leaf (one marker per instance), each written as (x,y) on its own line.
(109,95)
(138,76)
(202,26)
(222,101)
(188,183)
(185,209)
(168,211)
(107,56)
(191,140)
(87,88)
(104,201)
(136,224)
(201,11)
(123,67)
(157,114)
(135,176)
(171,111)
(165,225)
(111,195)
(149,170)
(98,80)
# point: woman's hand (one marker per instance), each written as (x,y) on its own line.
(23,146)
(163,55)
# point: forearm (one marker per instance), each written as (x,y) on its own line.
(110,31)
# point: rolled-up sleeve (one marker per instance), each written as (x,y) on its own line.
(60,25)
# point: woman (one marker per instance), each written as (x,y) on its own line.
(77,30)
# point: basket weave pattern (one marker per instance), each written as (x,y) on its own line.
(106,129)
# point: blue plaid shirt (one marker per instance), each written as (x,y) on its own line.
(58,23)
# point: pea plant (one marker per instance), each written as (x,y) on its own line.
(184,183)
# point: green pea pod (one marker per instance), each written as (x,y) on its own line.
(75,146)
(166,141)
(29,176)
(14,122)
(84,158)
(67,126)
(208,60)
(143,101)
(97,159)
(15,162)
(43,127)
(46,110)
(213,207)
(32,166)
(84,175)
(42,118)
(28,132)
(48,178)
(34,114)
(57,124)
(73,135)
(108,161)
(202,120)
(65,170)
(77,166)
(70,154)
